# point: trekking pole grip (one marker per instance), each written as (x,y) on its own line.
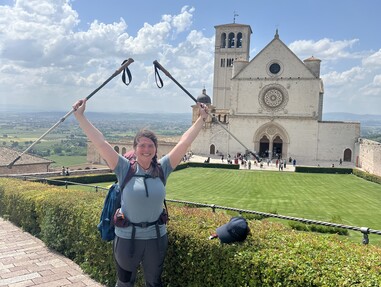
(160,67)
(125,65)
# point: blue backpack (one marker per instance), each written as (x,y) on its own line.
(113,202)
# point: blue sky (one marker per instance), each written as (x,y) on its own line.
(55,52)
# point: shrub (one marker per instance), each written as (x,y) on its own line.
(273,254)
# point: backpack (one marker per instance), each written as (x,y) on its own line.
(113,202)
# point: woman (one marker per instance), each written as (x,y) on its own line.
(142,198)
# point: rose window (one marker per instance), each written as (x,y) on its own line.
(273,97)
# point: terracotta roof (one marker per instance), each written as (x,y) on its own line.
(8,155)
(312,58)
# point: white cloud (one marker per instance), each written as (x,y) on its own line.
(326,49)
(373,60)
(377,80)
(335,78)
(45,58)
(47,61)
(183,21)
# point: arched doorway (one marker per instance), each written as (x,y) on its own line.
(264,145)
(116,148)
(212,149)
(272,137)
(277,147)
(348,155)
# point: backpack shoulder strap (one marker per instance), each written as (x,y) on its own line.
(161,174)
(131,172)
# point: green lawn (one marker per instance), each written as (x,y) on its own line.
(325,197)
(60,161)
(343,199)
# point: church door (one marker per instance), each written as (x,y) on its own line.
(212,149)
(348,155)
(277,147)
(264,145)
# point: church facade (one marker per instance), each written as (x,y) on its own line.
(271,105)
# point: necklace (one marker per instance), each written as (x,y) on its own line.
(145,169)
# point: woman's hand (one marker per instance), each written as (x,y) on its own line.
(79,107)
(203,109)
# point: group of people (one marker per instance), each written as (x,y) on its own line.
(65,171)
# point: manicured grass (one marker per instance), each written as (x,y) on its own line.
(66,160)
(325,197)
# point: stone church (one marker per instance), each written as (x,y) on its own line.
(271,104)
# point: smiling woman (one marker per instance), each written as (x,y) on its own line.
(138,226)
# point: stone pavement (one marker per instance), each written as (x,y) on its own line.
(272,166)
(26,261)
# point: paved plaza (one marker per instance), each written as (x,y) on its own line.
(26,261)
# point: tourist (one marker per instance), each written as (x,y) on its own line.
(146,248)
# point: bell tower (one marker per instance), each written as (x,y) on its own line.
(232,42)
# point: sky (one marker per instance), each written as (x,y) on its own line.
(54,52)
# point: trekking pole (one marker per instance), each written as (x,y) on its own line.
(214,119)
(123,68)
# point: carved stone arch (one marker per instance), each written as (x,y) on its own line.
(212,149)
(276,134)
(223,40)
(348,155)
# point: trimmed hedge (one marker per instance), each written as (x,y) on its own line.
(340,170)
(273,255)
(367,176)
(310,169)
(207,165)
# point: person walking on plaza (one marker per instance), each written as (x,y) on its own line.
(142,198)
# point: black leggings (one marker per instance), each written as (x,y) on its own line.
(151,253)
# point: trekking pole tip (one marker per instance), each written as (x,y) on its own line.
(13,162)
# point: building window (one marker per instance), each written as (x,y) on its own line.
(230,62)
(274,68)
(223,40)
(231,40)
(239,40)
(223,62)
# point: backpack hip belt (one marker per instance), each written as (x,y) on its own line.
(121,221)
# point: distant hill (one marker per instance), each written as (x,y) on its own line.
(365,120)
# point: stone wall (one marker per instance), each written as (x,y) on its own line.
(27,168)
(370,156)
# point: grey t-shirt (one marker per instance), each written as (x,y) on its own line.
(136,205)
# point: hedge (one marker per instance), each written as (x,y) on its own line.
(273,254)
(340,170)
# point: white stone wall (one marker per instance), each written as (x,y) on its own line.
(370,156)
(335,138)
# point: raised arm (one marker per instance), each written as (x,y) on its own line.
(95,136)
(178,152)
